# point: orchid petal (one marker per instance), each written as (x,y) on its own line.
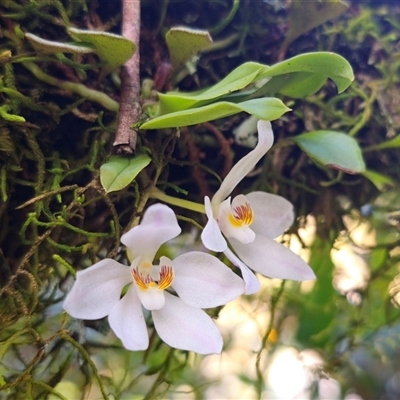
(151,298)
(235,227)
(203,281)
(127,321)
(273,214)
(211,236)
(159,224)
(247,163)
(97,289)
(252,284)
(272,259)
(187,328)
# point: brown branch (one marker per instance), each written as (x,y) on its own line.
(225,147)
(130,109)
(47,194)
(195,157)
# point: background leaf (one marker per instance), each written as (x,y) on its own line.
(307,15)
(113,50)
(389,144)
(332,149)
(118,172)
(321,300)
(49,46)
(379,180)
(184,43)
(266,108)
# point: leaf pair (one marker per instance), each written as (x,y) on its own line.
(297,77)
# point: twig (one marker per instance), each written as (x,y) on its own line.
(225,22)
(47,194)
(274,302)
(194,156)
(130,108)
(225,147)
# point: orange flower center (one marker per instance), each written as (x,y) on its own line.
(241,215)
(145,281)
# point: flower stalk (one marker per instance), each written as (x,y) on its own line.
(175,201)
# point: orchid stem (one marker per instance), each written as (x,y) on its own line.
(274,301)
(189,205)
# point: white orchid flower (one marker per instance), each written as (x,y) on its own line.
(200,280)
(251,223)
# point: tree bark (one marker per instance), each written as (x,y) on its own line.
(130,107)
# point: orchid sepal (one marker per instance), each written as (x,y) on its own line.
(247,163)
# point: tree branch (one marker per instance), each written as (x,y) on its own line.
(130,108)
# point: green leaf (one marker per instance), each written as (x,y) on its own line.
(379,180)
(378,258)
(48,46)
(184,43)
(267,108)
(118,172)
(306,15)
(389,144)
(18,31)
(328,64)
(238,79)
(318,309)
(309,71)
(2,381)
(113,50)
(296,85)
(318,66)
(332,149)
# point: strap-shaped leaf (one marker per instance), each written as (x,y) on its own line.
(265,108)
(295,84)
(238,79)
(310,72)
(332,149)
(321,65)
(118,172)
